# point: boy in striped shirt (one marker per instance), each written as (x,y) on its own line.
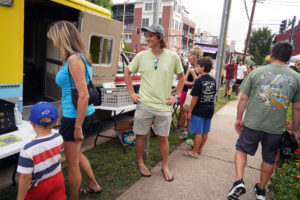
(39,161)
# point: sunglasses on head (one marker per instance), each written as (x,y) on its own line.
(155,63)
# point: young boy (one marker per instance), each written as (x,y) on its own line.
(202,106)
(39,161)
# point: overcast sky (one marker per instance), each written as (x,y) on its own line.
(208,14)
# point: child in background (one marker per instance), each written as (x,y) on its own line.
(39,161)
(202,106)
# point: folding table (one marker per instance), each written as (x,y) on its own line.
(116,111)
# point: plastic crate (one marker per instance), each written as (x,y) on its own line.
(7,117)
(115,97)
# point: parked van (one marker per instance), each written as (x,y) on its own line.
(28,60)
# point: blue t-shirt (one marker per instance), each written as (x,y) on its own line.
(62,79)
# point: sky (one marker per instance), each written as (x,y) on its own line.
(269,13)
(208,15)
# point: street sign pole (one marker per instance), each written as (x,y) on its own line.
(292,30)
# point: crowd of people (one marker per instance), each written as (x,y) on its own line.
(39,162)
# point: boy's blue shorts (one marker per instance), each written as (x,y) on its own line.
(199,125)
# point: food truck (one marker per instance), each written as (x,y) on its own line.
(28,60)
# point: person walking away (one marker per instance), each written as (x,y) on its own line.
(202,106)
(154,101)
(265,96)
(241,74)
(75,122)
(39,161)
(190,76)
(230,73)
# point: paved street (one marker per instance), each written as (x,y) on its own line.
(210,177)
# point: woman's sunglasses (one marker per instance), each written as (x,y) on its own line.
(155,63)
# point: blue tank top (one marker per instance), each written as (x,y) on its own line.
(62,79)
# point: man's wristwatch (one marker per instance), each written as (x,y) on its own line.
(177,96)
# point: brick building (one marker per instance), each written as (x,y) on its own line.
(171,14)
(296,38)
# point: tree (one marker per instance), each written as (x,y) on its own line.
(104,3)
(127,49)
(260,44)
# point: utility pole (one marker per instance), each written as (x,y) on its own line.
(222,42)
(155,11)
(123,35)
(292,30)
(249,30)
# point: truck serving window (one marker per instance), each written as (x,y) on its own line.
(101,50)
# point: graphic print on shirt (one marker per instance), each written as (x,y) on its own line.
(274,90)
(208,91)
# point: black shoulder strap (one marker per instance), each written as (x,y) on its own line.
(84,67)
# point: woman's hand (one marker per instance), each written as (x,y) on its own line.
(78,134)
(171,100)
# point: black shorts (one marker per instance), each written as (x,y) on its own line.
(249,140)
(239,81)
(67,127)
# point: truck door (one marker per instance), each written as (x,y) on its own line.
(102,38)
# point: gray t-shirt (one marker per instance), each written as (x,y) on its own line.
(270,89)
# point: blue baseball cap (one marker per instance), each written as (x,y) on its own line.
(43,109)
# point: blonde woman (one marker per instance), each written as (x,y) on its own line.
(75,122)
(193,55)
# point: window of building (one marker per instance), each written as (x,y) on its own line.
(143,38)
(148,6)
(145,22)
(101,49)
(128,37)
(159,21)
(176,25)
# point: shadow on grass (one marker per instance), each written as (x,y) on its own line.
(114,170)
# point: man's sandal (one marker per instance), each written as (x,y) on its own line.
(142,171)
(165,174)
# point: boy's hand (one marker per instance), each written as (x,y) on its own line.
(78,134)
(24,183)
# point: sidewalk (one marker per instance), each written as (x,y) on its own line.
(210,177)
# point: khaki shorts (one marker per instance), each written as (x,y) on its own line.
(144,117)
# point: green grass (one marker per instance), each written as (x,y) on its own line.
(114,170)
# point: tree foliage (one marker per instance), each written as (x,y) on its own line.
(104,3)
(126,49)
(260,44)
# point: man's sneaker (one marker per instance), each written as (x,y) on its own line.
(259,193)
(225,95)
(229,97)
(237,190)
(236,94)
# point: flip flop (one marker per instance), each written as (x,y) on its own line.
(167,173)
(143,170)
(187,154)
(89,190)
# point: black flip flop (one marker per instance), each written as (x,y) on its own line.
(89,190)
(164,174)
(145,175)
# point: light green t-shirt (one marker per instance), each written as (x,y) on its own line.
(270,89)
(156,84)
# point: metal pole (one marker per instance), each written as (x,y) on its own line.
(222,42)
(292,30)
(123,35)
(249,30)
(155,8)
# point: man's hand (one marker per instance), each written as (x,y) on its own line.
(78,134)
(135,97)
(295,134)
(238,126)
(171,100)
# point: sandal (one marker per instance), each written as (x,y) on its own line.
(167,173)
(142,171)
(89,190)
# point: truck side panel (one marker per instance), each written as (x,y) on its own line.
(11,40)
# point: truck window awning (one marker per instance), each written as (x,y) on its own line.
(85,6)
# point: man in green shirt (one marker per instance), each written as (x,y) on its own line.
(266,95)
(157,66)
